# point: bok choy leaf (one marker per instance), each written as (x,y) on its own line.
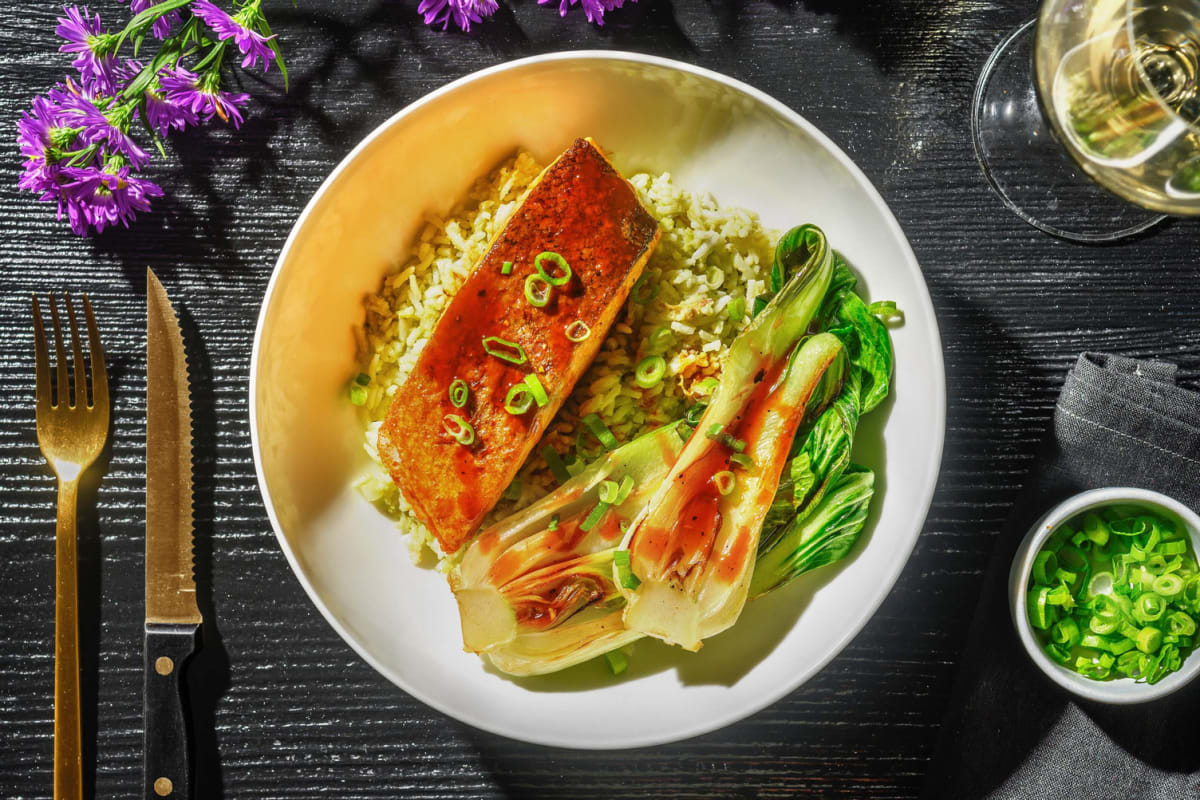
(822,537)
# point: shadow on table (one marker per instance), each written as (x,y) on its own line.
(208,672)
(90,582)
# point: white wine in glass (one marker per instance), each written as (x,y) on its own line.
(1091,94)
(1120,82)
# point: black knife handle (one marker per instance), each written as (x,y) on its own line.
(166,750)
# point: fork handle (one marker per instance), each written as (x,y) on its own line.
(68,739)
(166,750)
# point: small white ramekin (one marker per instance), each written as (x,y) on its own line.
(1120,690)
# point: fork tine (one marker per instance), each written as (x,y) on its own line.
(62,388)
(41,361)
(78,365)
(99,371)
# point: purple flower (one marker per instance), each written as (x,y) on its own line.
(252,43)
(163,25)
(163,115)
(104,129)
(592,9)
(201,96)
(92,46)
(103,197)
(463,12)
(41,136)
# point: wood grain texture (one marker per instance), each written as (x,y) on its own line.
(295,713)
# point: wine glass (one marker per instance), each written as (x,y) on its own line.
(1091,94)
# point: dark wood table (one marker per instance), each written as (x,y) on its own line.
(284,708)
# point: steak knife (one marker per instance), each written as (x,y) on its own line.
(172,617)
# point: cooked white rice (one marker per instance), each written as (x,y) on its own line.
(708,255)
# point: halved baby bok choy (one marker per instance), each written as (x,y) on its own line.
(536,591)
(692,550)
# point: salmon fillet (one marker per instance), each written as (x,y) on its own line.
(581,208)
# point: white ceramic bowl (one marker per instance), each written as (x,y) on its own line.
(713,134)
(1121,690)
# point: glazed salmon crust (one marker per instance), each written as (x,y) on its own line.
(582,209)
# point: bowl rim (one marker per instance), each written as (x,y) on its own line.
(1115,692)
(937,378)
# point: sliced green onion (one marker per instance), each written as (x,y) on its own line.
(1128,527)
(578,331)
(741,460)
(1065,632)
(640,294)
(693,415)
(625,570)
(1120,645)
(608,492)
(736,309)
(553,526)
(1127,664)
(363,379)
(1041,613)
(506,268)
(535,294)
(1180,624)
(558,261)
(725,481)
(519,399)
(886,310)
(1167,586)
(1061,596)
(504,350)
(536,389)
(707,386)
(661,338)
(554,461)
(1058,653)
(1103,625)
(1174,548)
(1149,639)
(1149,608)
(358,395)
(1044,566)
(613,493)
(459,429)
(717,433)
(459,392)
(624,490)
(617,662)
(601,432)
(594,517)
(1095,529)
(649,371)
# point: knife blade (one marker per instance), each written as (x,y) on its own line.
(172,617)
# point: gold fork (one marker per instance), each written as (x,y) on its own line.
(71,433)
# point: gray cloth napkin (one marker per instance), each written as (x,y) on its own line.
(1011,732)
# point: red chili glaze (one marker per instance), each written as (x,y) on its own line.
(556,602)
(690,539)
(581,208)
(547,596)
(553,547)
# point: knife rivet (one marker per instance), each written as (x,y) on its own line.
(163,787)
(163,666)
